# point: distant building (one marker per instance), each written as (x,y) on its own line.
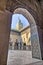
(14,34)
(19,25)
(23,35)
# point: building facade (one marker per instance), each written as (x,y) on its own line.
(25,35)
(22,36)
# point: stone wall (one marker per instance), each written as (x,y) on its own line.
(15,35)
(5,20)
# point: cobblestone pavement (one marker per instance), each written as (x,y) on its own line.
(20,57)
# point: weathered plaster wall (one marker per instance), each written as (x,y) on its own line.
(5,20)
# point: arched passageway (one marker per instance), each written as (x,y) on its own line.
(36,52)
(35,11)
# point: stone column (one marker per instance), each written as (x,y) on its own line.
(40,31)
(5,23)
(36,50)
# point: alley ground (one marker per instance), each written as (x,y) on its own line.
(20,57)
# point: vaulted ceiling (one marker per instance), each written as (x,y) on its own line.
(9,4)
(34,5)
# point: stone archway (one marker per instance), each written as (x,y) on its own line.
(36,52)
(35,8)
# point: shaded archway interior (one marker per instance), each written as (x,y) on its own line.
(35,7)
(34,32)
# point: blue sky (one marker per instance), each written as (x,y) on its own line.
(15,20)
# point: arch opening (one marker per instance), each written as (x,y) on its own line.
(34,32)
(20,31)
(35,46)
(36,53)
